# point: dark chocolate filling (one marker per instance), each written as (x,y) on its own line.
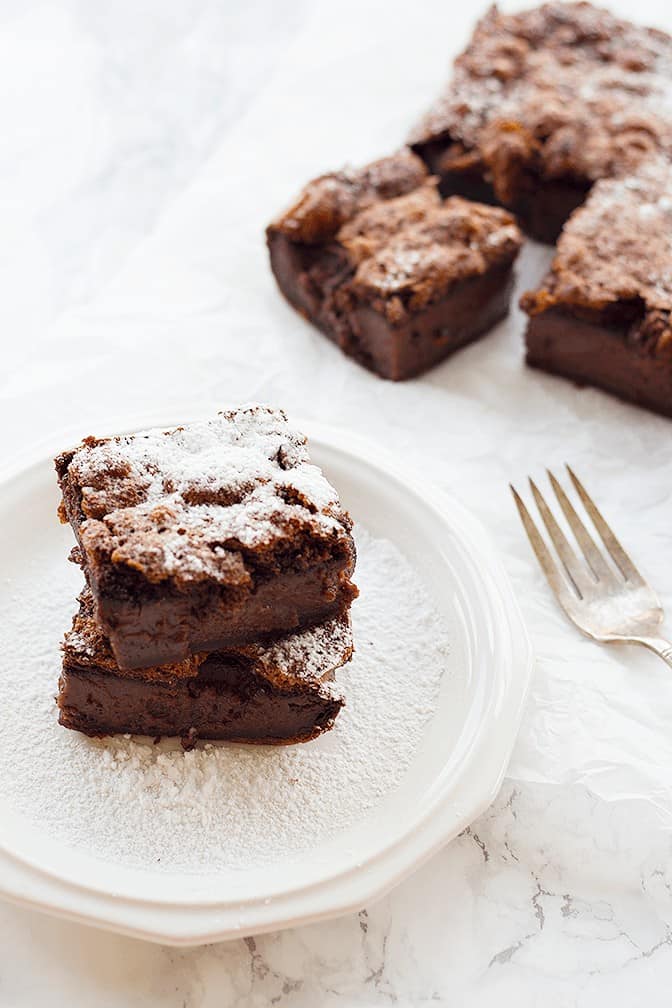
(227,700)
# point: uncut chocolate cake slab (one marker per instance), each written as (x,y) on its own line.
(278,693)
(214,534)
(545,102)
(395,277)
(602,316)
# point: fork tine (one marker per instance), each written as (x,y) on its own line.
(543,554)
(596,561)
(616,551)
(572,565)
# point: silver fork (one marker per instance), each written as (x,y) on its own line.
(611,604)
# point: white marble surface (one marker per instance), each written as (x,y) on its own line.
(144,146)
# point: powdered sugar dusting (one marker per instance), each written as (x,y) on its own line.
(179,503)
(154,806)
(310,655)
(618,245)
(590,93)
(229,454)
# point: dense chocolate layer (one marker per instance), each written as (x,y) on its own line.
(276,694)
(601,352)
(161,624)
(231,705)
(407,349)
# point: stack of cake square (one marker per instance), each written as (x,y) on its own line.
(218,564)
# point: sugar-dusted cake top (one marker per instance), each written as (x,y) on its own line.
(307,656)
(328,202)
(617,249)
(194,502)
(409,251)
(563,90)
(399,246)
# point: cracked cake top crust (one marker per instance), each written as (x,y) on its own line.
(328,202)
(197,502)
(565,90)
(411,250)
(402,247)
(616,254)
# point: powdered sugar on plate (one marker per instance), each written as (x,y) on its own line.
(134,803)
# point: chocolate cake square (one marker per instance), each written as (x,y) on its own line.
(395,277)
(214,534)
(602,314)
(277,693)
(544,103)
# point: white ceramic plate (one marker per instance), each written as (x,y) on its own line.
(454,776)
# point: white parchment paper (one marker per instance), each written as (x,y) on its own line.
(195,321)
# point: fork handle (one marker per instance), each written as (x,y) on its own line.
(658,645)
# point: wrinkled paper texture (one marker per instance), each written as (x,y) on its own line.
(194,321)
